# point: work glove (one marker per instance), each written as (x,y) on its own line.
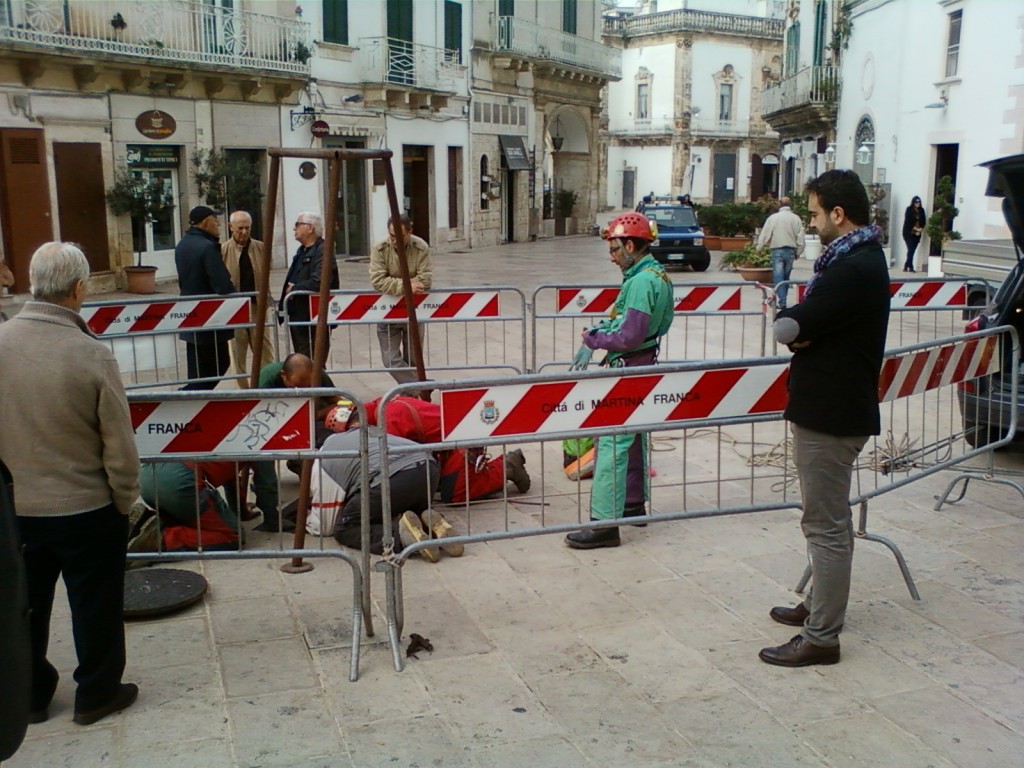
(582,358)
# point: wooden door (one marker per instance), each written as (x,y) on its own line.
(81,209)
(24,199)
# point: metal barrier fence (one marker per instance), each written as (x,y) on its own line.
(143,333)
(192,444)
(923,308)
(725,418)
(713,321)
(475,328)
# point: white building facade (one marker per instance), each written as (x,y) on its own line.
(686,116)
(937,106)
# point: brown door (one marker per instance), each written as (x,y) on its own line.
(416,167)
(81,209)
(24,199)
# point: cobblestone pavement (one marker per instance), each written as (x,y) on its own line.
(644,655)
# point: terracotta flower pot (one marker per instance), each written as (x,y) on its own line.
(757,274)
(735,243)
(713,242)
(140,279)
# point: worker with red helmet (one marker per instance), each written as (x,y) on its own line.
(631,335)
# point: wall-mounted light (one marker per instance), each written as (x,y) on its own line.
(355,98)
(830,154)
(557,140)
(863,154)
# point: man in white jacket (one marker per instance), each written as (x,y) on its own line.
(783,232)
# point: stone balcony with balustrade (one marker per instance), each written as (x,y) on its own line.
(686,20)
(518,40)
(139,37)
(805,103)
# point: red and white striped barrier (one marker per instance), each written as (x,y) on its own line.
(933,294)
(377,307)
(183,315)
(599,301)
(916,372)
(563,406)
(221,427)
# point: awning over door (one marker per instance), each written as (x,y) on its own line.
(515,153)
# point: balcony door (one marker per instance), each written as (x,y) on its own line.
(401,67)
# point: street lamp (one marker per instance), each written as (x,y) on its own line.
(556,135)
(863,154)
(830,154)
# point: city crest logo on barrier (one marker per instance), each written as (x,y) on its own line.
(581,301)
(489,414)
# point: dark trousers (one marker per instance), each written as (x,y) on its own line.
(88,549)
(206,361)
(303,337)
(411,491)
(911,241)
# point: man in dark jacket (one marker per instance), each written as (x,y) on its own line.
(837,335)
(201,271)
(304,275)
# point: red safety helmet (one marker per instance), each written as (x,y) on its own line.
(630,225)
(338,417)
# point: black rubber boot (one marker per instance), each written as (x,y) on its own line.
(594,538)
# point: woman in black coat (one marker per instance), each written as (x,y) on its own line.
(913,225)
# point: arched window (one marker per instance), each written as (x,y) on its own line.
(864,150)
(485,184)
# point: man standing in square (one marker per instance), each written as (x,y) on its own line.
(68,440)
(304,275)
(386,277)
(201,272)
(837,335)
(243,257)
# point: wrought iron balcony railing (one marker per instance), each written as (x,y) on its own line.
(811,85)
(537,42)
(686,20)
(176,31)
(399,62)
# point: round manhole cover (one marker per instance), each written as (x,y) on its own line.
(155,591)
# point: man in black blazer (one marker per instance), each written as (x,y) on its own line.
(837,335)
(304,275)
(201,272)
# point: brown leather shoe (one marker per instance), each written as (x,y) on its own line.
(794,617)
(799,652)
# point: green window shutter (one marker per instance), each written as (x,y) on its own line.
(453,30)
(336,21)
(569,15)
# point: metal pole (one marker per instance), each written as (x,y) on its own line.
(403,267)
(263,289)
(319,354)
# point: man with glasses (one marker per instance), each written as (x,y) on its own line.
(386,277)
(304,275)
(243,256)
(642,314)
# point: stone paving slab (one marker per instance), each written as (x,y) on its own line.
(640,656)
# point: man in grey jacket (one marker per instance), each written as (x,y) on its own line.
(783,233)
(67,438)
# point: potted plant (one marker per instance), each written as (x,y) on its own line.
(565,202)
(939,226)
(710,219)
(739,222)
(751,261)
(145,200)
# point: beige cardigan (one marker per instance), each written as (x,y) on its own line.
(65,431)
(231,251)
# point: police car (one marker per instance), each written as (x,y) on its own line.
(680,239)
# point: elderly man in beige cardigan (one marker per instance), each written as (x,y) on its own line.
(243,257)
(67,438)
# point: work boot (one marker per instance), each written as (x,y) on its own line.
(636,510)
(434,522)
(148,537)
(410,531)
(515,470)
(593,538)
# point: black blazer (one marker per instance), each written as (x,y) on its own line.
(833,382)
(201,272)
(304,272)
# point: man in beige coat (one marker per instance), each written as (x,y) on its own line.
(67,438)
(386,277)
(243,257)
